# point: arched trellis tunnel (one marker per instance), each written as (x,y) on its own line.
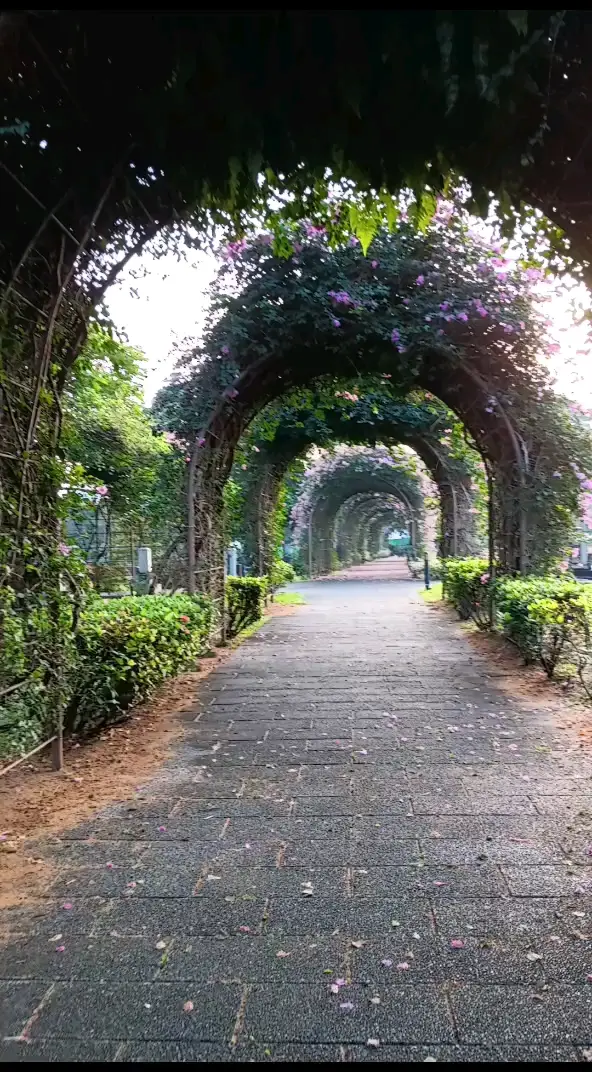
(414,310)
(336,480)
(371,419)
(360,524)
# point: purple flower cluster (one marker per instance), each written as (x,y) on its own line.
(340,297)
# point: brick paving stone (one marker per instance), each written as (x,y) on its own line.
(377,813)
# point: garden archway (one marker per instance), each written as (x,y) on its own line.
(369,419)
(354,472)
(360,523)
(414,312)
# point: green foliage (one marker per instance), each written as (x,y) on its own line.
(290,599)
(38,656)
(467,587)
(107,432)
(540,615)
(432,594)
(548,618)
(24,720)
(281,573)
(234,504)
(127,647)
(245,599)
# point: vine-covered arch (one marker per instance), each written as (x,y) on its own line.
(438,311)
(335,479)
(360,522)
(371,417)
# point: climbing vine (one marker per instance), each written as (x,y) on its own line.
(439,311)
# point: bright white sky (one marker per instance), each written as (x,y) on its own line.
(172,304)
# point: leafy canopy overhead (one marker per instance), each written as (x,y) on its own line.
(168,115)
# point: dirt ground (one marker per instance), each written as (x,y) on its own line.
(36,801)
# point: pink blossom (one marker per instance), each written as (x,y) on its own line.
(375,264)
(420,281)
(395,336)
(234,249)
(484,578)
(64,549)
(336,323)
(462,316)
(102,490)
(341,297)
(312,230)
(201,442)
(444,306)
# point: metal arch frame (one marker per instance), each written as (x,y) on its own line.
(362,510)
(377,477)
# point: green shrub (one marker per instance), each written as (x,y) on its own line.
(416,565)
(281,573)
(245,599)
(467,587)
(38,656)
(24,720)
(547,618)
(127,647)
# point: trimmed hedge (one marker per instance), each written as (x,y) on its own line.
(466,584)
(245,601)
(127,647)
(549,619)
(281,573)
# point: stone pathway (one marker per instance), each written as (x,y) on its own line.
(363,851)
